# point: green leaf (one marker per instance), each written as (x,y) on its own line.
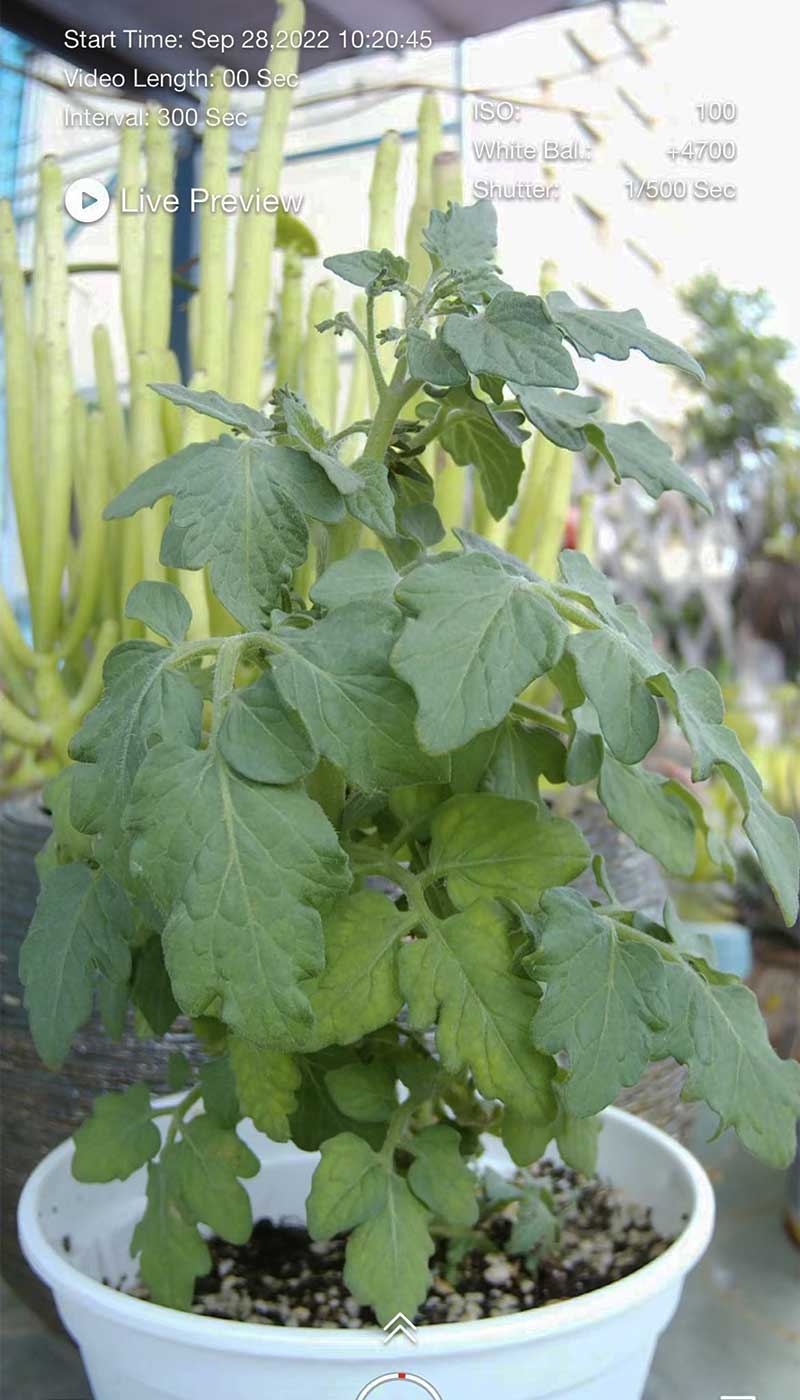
(470,764)
(358,991)
(585,757)
(214,405)
(535,1229)
(386,1260)
(717,1031)
(604,997)
(643,806)
(118,1137)
(362,269)
(577,1140)
(632,450)
(481,635)
(614,334)
(463,238)
(262,739)
(173,1253)
(266,1083)
(143,700)
(69,844)
(151,990)
(240,869)
(476,544)
(365,1092)
(472,438)
(561,417)
(697,702)
(179,1071)
(373,502)
(349,1187)
(366,575)
(614,663)
(220,1098)
(161,607)
(81,927)
(291,232)
(520,756)
(336,676)
(485,845)
(430,360)
(612,672)
(299,429)
(462,975)
(233,512)
(440,1177)
(316,1117)
(420,523)
(475,288)
(112,1006)
(211,1159)
(513,338)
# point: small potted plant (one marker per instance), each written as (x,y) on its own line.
(324,840)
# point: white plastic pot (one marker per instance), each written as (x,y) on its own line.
(598,1347)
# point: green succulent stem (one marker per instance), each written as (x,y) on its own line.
(255,232)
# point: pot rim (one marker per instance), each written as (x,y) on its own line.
(223,1334)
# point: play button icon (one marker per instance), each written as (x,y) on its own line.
(86,200)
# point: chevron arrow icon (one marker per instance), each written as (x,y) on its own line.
(400,1326)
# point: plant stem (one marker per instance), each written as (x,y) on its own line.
(46,597)
(156,288)
(180,1112)
(433,429)
(571,610)
(536,715)
(11,636)
(91,685)
(450,479)
(382,207)
(228,658)
(93,497)
(20,727)
(398,1123)
(391,400)
(193,582)
(372,347)
(532,500)
(255,232)
(214,225)
(319,367)
(147,447)
(19,371)
(290,331)
(131,233)
(116,431)
(429,140)
(167,371)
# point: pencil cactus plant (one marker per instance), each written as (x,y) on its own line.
(66,451)
(232,800)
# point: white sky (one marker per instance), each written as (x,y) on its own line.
(747,52)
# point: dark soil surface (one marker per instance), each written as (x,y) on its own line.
(283,1278)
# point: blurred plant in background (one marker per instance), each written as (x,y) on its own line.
(68,452)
